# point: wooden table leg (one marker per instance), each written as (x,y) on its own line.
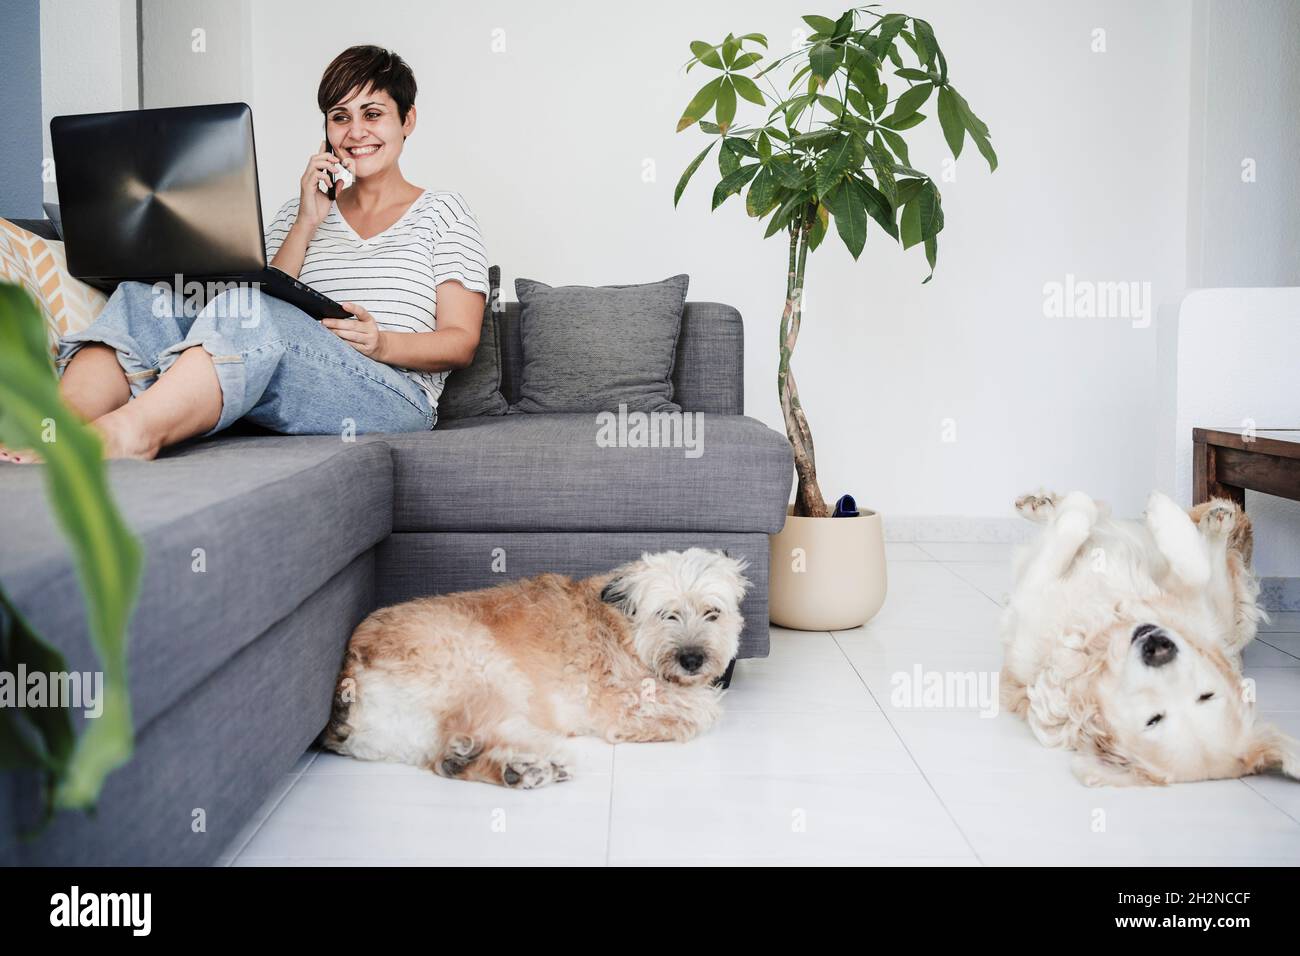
(1205,483)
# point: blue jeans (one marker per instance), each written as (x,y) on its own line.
(277,366)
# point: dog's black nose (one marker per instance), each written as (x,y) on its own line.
(1157,649)
(1142,630)
(690,660)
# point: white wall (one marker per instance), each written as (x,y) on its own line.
(88,62)
(547,140)
(1237,361)
(196,51)
(1245,94)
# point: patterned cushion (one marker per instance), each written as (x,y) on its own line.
(41,267)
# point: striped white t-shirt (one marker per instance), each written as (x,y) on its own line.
(394,275)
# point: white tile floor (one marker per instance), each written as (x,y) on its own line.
(814,763)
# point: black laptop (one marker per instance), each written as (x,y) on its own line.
(150,194)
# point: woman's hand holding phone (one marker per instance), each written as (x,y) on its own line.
(314,205)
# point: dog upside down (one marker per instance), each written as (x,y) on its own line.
(1124,640)
(485,685)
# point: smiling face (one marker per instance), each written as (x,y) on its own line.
(367,128)
(1173,705)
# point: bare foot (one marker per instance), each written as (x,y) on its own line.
(24,456)
(123,438)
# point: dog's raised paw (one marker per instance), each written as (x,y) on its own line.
(1039,506)
(1219,519)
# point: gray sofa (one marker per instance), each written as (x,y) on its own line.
(233,666)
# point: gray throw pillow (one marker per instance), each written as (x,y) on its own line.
(476,389)
(591,349)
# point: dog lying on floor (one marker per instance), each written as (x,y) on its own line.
(485,685)
(1124,639)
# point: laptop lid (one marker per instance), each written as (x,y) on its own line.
(147,194)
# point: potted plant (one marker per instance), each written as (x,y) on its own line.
(848,162)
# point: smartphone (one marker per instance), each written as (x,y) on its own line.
(329,172)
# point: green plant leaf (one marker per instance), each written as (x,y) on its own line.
(107,556)
(742,146)
(706,54)
(831,105)
(878,98)
(762,196)
(954,129)
(985,148)
(701,104)
(726,107)
(909,227)
(748,89)
(785,212)
(40,737)
(931,256)
(820,223)
(790,175)
(816,138)
(887,28)
(865,75)
(820,24)
(730,47)
(877,206)
(733,183)
(908,103)
(845,204)
(846,153)
(728,159)
(907,122)
(896,143)
(825,60)
(928,46)
(909,189)
(883,166)
(911,73)
(690,171)
(930,209)
(745,61)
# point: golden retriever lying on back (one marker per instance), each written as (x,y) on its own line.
(1124,638)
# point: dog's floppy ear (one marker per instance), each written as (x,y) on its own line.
(737,566)
(1095,770)
(1270,749)
(617,590)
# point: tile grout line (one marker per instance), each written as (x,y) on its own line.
(975,588)
(1262,637)
(1263,796)
(261,823)
(908,750)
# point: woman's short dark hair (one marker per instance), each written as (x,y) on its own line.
(359,67)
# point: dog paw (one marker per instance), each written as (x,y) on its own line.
(1219,519)
(460,752)
(527,772)
(1038,506)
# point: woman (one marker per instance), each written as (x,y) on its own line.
(392,254)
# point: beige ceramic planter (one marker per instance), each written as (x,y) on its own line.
(827,574)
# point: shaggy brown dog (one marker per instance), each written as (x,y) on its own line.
(484,685)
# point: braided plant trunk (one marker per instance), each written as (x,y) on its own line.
(808,500)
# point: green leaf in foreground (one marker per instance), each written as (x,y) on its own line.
(107,556)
